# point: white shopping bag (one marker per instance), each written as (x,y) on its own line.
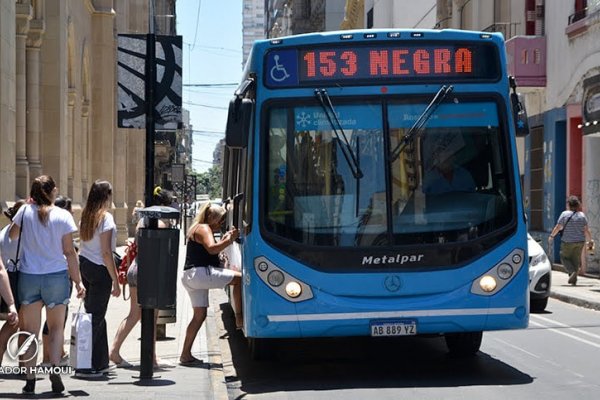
(232,256)
(81,340)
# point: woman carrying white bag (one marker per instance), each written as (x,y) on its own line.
(48,260)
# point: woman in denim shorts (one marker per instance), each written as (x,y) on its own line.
(47,261)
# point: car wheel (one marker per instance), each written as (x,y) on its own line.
(538,305)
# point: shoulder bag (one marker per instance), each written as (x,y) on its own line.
(13,274)
(559,233)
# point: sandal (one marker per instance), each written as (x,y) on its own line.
(124,364)
(191,361)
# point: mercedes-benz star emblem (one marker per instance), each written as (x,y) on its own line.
(392,283)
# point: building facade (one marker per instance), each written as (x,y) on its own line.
(58,80)
(400,14)
(253,25)
(294,17)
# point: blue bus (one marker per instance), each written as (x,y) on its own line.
(375,180)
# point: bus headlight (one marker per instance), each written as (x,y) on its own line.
(280,281)
(275,278)
(487,283)
(293,289)
(499,275)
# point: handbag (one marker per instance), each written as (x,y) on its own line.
(118,259)
(81,340)
(13,274)
(128,257)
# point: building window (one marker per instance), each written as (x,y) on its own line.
(580,11)
(370,19)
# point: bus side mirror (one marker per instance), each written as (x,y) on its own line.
(238,122)
(519,114)
(518,108)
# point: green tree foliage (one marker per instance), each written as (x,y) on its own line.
(211,182)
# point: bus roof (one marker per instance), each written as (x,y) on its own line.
(366,35)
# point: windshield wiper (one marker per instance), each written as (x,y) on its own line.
(417,127)
(349,155)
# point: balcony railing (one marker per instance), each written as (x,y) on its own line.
(577,15)
(508,29)
(582,20)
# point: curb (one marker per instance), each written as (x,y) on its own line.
(575,301)
(217,369)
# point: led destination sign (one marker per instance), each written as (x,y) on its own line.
(401,63)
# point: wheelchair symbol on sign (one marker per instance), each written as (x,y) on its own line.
(278,72)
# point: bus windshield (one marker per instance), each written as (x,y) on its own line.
(449,184)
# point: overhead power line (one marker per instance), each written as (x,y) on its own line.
(197,131)
(204,105)
(197,25)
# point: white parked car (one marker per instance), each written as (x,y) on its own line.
(540,275)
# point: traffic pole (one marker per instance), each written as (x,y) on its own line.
(147,339)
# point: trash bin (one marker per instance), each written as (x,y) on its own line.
(158,251)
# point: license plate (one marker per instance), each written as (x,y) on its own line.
(394,328)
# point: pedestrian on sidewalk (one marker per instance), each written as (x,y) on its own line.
(98,242)
(47,262)
(8,255)
(161,198)
(135,217)
(202,271)
(12,317)
(67,204)
(572,224)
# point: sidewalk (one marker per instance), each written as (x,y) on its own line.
(585,294)
(204,381)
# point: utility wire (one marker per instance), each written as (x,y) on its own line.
(197,24)
(423,17)
(189,103)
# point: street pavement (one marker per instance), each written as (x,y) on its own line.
(205,381)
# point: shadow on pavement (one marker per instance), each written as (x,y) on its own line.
(361,362)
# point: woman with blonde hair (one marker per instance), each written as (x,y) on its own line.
(98,241)
(202,270)
(135,217)
(47,261)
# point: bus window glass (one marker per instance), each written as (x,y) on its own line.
(450,184)
(313,196)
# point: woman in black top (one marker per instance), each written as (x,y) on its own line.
(202,270)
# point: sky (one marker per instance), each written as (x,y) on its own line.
(212,55)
